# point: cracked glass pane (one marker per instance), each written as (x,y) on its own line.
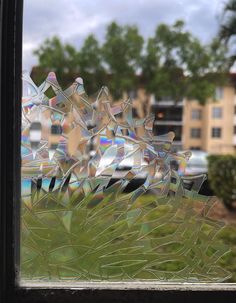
(105,199)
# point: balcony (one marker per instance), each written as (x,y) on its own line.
(168,103)
(164,129)
(172,113)
(165,102)
(168,122)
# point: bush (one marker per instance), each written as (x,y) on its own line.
(222,178)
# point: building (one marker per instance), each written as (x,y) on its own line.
(211,127)
(168,114)
(168,117)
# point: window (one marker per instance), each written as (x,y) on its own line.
(162,129)
(216,112)
(234,129)
(168,113)
(216,132)
(219,93)
(196,114)
(9,211)
(195,132)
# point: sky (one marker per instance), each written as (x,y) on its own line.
(73,20)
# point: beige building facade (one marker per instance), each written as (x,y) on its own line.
(211,127)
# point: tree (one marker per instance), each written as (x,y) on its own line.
(162,68)
(122,55)
(55,56)
(91,64)
(174,64)
(177,65)
(228,26)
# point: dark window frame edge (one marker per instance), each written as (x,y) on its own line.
(11,290)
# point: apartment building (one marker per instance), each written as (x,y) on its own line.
(211,127)
(168,117)
(168,114)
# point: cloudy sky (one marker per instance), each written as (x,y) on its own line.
(73,20)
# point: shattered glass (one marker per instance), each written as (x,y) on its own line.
(100,200)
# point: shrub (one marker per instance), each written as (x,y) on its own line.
(222,178)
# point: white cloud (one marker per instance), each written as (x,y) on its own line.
(73,20)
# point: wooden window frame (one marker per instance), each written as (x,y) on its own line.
(10,162)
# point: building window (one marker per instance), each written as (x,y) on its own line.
(219,93)
(234,129)
(195,148)
(216,112)
(216,132)
(195,132)
(196,114)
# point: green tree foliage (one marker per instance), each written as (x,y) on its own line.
(55,56)
(91,64)
(161,68)
(228,26)
(177,65)
(122,55)
(222,177)
(173,64)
